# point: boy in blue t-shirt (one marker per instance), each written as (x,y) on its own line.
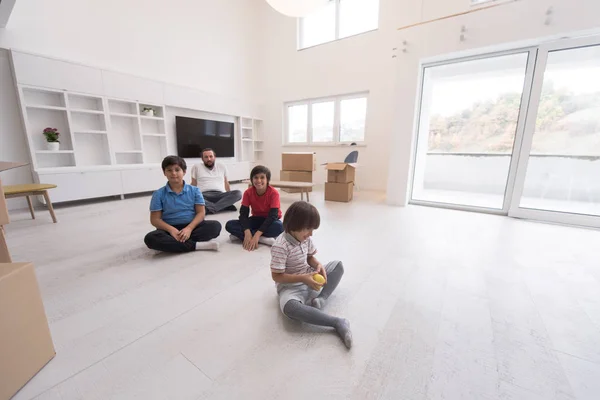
(177,212)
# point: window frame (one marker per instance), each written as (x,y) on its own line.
(336,120)
(300,27)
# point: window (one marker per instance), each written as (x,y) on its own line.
(337,20)
(331,120)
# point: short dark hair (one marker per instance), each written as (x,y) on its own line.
(173,160)
(301,215)
(207,149)
(260,169)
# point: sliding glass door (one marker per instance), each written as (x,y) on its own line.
(513,133)
(469,119)
(559,174)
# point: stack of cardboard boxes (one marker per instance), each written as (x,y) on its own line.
(340,182)
(297,167)
(25,341)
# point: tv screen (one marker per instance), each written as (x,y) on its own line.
(195,134)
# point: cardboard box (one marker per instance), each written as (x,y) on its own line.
(4,220)
(340,172)
(295,176)
(298,162)
(339,191)
(25,341)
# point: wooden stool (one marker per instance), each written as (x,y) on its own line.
(33,189)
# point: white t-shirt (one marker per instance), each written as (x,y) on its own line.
(210,179)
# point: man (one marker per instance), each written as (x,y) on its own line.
(211,178)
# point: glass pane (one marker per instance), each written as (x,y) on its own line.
(319,27)
(322,122)
(353,113)
(357,16)
(467,127)
(563,172)
(298,123)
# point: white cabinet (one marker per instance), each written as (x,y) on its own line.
(132,87)
(142,180)
(238,171)
(82,185)
(46,72)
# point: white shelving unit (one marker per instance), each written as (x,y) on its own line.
(251,139)
(94,130)
(107,146)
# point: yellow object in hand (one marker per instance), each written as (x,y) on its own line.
(319,278)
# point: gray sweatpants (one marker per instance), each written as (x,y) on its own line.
(218,201)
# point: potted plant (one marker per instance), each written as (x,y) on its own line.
(52,142)
(148,111)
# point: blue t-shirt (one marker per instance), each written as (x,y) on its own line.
(177,208)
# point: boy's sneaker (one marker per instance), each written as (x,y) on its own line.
(266,240)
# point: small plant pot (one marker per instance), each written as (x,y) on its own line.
(53,146)
(148,113)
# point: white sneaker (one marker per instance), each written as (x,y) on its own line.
(210,245)
(234,238)
(266,240)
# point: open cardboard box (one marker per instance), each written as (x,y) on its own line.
(340,181)
(25,342)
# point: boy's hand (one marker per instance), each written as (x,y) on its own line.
(321,270)
(311,283)
(252,243)
(175,233)
(247,239)
(185,234)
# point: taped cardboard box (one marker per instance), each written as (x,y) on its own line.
(339,191)
(298,161)
(296,176)
(340,172)
(25,342)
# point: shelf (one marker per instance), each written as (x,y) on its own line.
(248,128)
(123,108)
(123,115)
(155,118)
(129,152)
(40,107)
(92,132)
(81,110)
(154,134)
(54,151)
(247,140)
(258,150)
(43,97)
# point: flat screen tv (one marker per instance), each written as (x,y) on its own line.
(195,134)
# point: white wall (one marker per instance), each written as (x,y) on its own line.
(205,44)
(365,62)
(13,146)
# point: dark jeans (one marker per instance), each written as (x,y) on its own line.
(235,227)
(219,201)
(163,241)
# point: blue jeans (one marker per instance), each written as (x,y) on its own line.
(234,227)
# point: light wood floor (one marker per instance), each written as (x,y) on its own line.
(443,305)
